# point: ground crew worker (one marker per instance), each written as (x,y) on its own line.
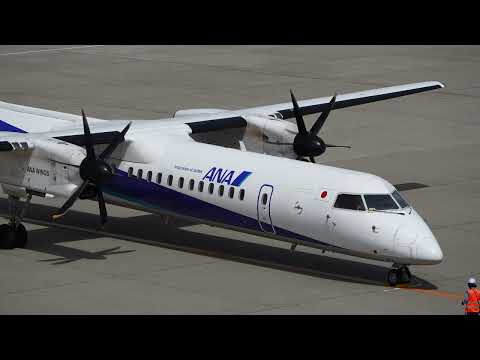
(471,300)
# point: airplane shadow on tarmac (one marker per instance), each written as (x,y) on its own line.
(150,229)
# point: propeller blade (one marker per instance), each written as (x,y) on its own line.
(101,206)
(88,138)
(63,210)
(338,146)
(323,117)
(312,159)
(118,139)
(298,116)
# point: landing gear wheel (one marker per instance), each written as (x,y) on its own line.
(21,236)
(14,234)
(10,239)
(404,274)
(7,237)
(392,277)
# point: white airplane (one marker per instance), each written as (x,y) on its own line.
(158,167)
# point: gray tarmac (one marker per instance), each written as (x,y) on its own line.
(137,265)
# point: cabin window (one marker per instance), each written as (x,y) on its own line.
(231,192)
(180,182)
(200,186)
(221,190)
(400,200)
(210,188)
(159,178)
(170,180)
(24,145)
(139,173)
(191,185)
(16,146)
(349,202)
(149,176)
(264,199)
(130,171)
(380,202)
(241,194)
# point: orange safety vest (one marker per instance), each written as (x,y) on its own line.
(473,302)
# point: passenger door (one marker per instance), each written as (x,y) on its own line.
(263,209)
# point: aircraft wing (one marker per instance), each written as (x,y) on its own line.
(207,120)
(313,106)
(68,127)
(23,119)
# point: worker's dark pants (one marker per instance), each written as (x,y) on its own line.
(472,313)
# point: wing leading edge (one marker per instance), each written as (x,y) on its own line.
(236,118)
(313,106)
(22,119)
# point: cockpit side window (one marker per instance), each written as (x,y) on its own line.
(380,202)
(350,202)
(400,200)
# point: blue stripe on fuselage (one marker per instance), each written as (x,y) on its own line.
(154,196)
(10,128)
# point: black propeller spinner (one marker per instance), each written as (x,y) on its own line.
(308,143)
(94,170)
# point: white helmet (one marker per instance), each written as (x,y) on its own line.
(472,281)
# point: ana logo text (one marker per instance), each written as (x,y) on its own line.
(226,176)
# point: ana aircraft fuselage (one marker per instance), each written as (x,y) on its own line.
(158,167)
(280,198)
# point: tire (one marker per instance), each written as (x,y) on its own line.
(409,273)
(404,275)
(392,277)
(7,237)
(21,236)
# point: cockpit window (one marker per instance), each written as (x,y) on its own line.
(350,202)
(400,200)
(380,202)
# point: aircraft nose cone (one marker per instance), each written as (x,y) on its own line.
(429,251)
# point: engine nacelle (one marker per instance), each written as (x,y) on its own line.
(51,168)
(59,151)
(269,134)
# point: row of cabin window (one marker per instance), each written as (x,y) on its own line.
(191,184)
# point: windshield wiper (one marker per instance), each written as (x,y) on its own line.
(386,211)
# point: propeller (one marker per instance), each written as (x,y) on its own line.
(307,144)
(93,170)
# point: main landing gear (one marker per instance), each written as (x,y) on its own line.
(14,235)
(399,274)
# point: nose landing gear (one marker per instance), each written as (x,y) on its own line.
(399,275)
(14,234)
